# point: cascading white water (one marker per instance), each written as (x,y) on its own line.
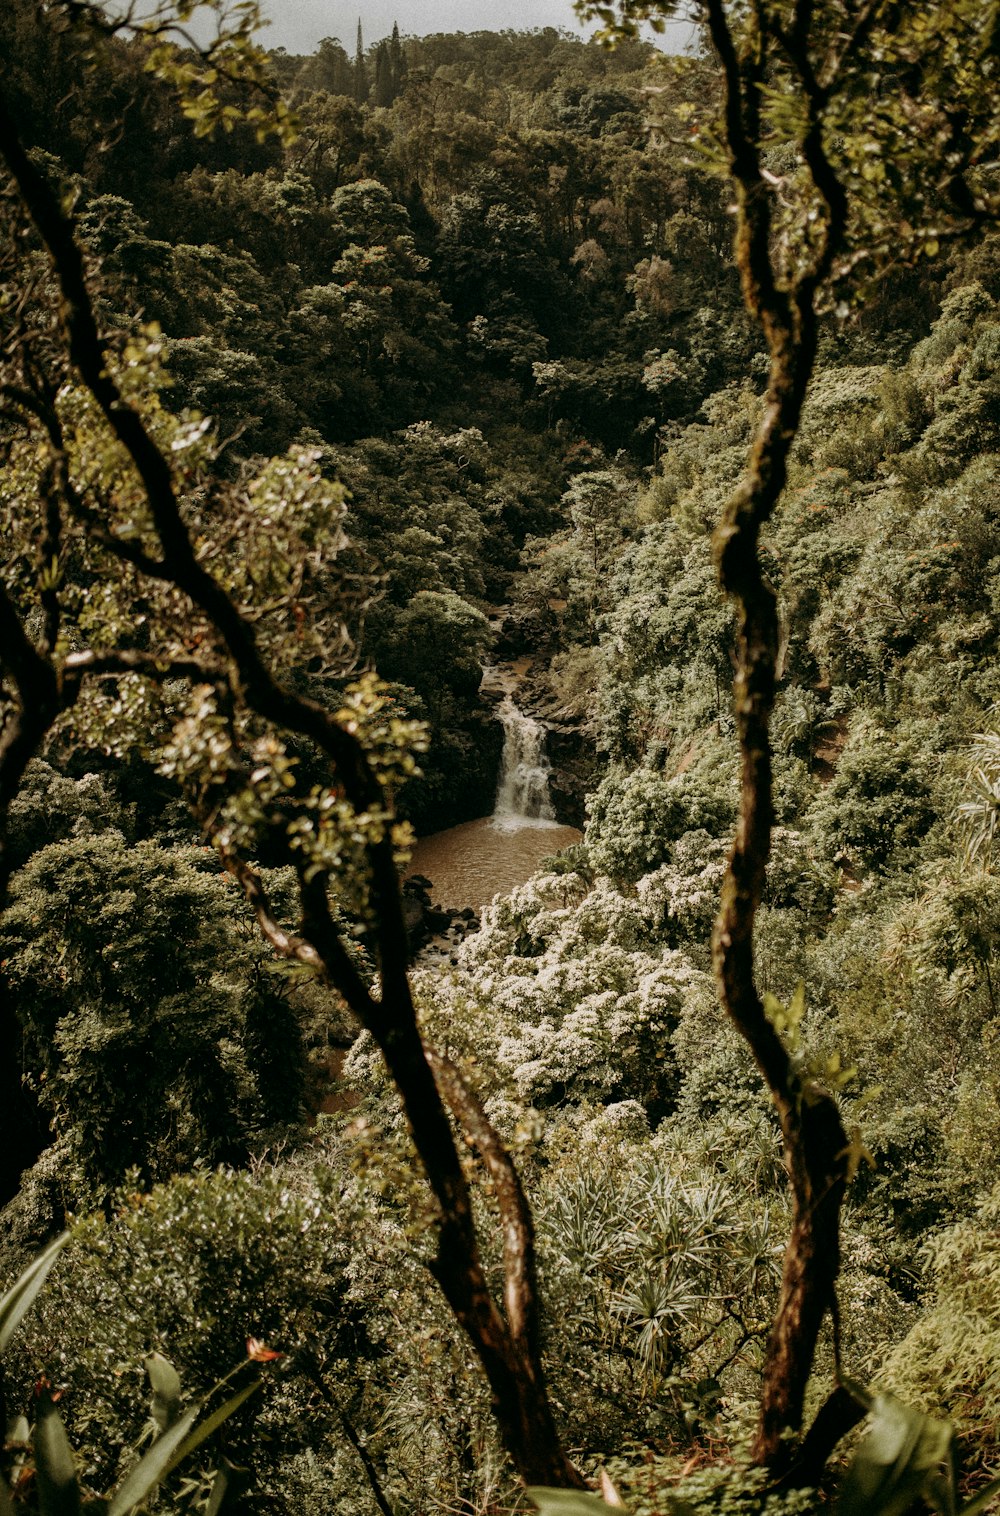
(477,860)
(523,791)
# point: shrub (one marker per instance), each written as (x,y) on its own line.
(947,1362)
(636,819)
(879,801)
(153,1034)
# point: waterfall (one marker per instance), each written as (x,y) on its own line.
(523,791)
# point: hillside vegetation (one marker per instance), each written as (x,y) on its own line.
(460,371)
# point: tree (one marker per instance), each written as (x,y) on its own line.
(329,70)
(865,181)
(123,489)
(360,71)
(215,677)
(132,974)
(384,91)
(397,62)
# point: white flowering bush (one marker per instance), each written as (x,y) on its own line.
(682,896)
(567,994)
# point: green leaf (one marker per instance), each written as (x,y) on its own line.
(20,1297)
(565,1502)
(18,1446)
(902,1455)
(152,1466)
(55,1469)
(229,1484)
(165,1383)
(204,1430)
(18,1430)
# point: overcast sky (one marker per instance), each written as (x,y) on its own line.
(298,25)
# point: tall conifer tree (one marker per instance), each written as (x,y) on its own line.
(384,90)
(360,72)
(397,63)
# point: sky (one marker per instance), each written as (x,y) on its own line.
(298,25)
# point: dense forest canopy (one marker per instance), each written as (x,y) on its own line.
(327,382)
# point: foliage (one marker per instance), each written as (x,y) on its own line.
(43,1468)
(199,1265)
(946,1363)
(137,968)
(487,208)
(636,819)
(880,800)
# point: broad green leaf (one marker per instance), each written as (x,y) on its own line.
(165,1383)
(152,1466)
(204,1429)
(565,1502)
(169,1450)
(895,1462)
(18,1430)
(229,1484)
(941,1489)
(18,1445)
(20,1297)
(55,1469)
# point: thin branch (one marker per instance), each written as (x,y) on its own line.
(317,920)
(824,177)
(125,548)
(742,82)
(34,679)
(515,1375)
(312,1370)
(98,663)
(263,692)
(508,1350)
(520,1275)
(285,944)
(49,552)
(44,409)
(864,21)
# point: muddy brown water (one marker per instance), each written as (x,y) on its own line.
(469,864)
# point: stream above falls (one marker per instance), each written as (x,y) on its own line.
(469,864)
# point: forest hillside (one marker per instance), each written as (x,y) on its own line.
(326,384)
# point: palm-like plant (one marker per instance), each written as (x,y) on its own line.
(978,816)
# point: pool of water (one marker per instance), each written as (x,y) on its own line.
(469,864)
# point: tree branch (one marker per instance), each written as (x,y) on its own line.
(514,1374)
(97,663)
(34,680)
(312,1370)
(520,1275)
(813,1134)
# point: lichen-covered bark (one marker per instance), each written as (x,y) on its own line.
(815,1143)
